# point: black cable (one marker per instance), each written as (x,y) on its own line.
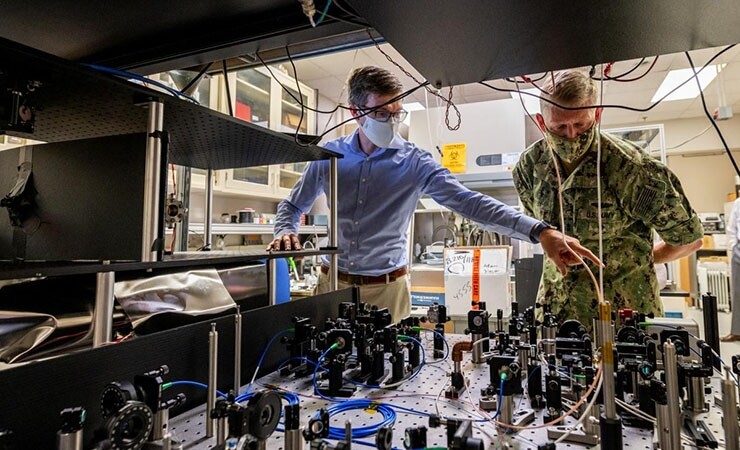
(622,80)
(616,77)
(513,80)
(368,111)
(628,108)
(300,102)
(709,116)
(286,89)
(228,89)
(300,96)
(197,77)
(447,100)
(620,75)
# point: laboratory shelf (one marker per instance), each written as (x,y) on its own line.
(31,269)
(248,228)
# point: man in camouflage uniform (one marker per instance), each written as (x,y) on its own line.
(638,195)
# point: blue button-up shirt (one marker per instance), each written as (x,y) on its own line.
(377,197)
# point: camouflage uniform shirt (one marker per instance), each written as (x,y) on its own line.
(639,194)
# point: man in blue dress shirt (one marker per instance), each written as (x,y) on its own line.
(381,177)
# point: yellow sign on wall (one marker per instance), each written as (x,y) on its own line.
(454,157)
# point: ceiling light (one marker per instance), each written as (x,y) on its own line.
(688,90)
(531,103)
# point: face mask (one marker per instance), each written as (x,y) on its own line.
(571,150)
(380,133)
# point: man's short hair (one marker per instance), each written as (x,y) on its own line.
(570,88)
(371,80)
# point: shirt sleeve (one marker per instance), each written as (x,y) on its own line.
(732,226)
(300,199)
(439,183)
(655,196)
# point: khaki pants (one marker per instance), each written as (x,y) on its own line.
(396,295)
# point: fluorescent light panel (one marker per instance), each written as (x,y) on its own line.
(688,90)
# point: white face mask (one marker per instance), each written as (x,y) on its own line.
(380,133)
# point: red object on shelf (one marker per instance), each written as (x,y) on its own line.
(243,111)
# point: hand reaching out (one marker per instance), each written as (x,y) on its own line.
(555,249)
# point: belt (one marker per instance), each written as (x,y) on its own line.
(369,279)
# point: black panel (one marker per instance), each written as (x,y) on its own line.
(75,102)
(32,396)
(528,273)
(88,201)
(454,42)
(155,36)
(202,138)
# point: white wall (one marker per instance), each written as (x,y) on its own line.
(492,127)
(707,179)
(702,165)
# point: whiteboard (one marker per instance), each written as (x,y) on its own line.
(477,273)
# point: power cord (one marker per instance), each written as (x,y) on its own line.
(628,108)
(709,116)
(447,100)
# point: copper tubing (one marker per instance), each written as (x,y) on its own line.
(459,348)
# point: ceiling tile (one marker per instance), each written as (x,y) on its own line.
(308,71)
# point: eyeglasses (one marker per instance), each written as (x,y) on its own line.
(383,115)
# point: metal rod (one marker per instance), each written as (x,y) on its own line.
(477,349)
(662,426)
(208,219)
(333,223)
(293,440)
(272,280)
(590,424)
(195,80)
(221,430)
(548,339)
(348,432)
(507,409)
(228,88)
(671,384)
(729,412)
(103,315)
(237,350)
(183,194)
(607,344)
(152,177)
(161,423)
(69,441)
(212,379)
(695,387)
